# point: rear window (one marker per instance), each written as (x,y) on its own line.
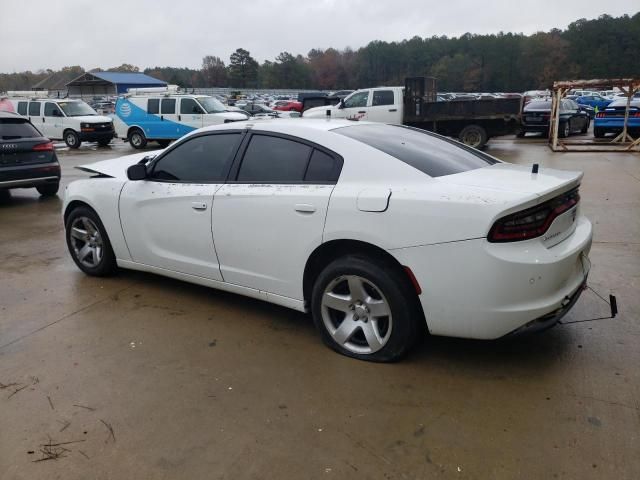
(538,105)
(431,154)
(11,129)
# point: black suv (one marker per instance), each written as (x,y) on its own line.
(27,159)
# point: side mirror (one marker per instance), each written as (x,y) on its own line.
(137,171)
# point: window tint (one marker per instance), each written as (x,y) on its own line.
(436,156)
(199,160)
(168,106)
(274,159)
(153,105)
(34,109)
(49,108)
(382,97)
(13,128)
(189,106)
(22,108)
(357,100)
(322,168)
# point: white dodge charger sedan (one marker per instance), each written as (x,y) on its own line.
(375,229)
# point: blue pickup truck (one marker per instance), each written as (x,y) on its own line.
(611,118)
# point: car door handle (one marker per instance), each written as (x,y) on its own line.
(304,208)
(198,206)
(393,109)
(362,111)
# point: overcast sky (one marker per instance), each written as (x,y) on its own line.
(36,34)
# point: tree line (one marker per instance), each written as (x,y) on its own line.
(606,47)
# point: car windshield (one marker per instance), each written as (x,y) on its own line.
(430,153)
(538,106)
(76,109)
(211,105)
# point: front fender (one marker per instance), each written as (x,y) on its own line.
(102,194)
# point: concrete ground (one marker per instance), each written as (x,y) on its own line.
(139,376)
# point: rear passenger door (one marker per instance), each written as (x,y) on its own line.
(384,107)
(35,114)
(270,215)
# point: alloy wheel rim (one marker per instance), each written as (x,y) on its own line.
(356,314)
(136,140)
(472,139)
(71,139)
(87,243)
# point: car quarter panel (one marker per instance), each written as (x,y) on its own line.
(102,195)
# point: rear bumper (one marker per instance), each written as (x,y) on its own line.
(26,176)
(482,290)
(529,127)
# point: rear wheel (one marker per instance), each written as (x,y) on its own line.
(48,190)
(474,136)
(520,133)
(564,130)
(137,139)
(72,139)
(365,309)
(598,132)
(89,244)
(585,129)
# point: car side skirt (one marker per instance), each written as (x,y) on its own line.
(288,302)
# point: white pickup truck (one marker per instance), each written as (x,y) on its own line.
(471,121)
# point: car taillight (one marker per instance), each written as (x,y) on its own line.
(600,115)
(532,222)
(43,147)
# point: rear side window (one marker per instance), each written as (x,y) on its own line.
(34,109)
(382,97)
(322,168)
(203,159)
(168,106)
(274,160)
(11,129)
(153,105)
(431,154)
(22,108)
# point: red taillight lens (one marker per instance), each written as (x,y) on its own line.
(600,115)
(43,147)
(532,222)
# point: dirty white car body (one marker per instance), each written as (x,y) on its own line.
(257,239)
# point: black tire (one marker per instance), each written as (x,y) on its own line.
(48,189)
(565,130)
(164,143)
(403,325)
(104,143)
(72,139)
(521,133)
(474,136)
(107,264)
(137,139)
(598,132)
(585,129)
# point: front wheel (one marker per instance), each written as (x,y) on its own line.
(72,139)
(48,190)
(137,139)
(89,243)
(365,309)
(474,136)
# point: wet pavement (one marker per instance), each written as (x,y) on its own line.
(148,377)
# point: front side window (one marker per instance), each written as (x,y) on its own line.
(431,154)
(51,110)
(153,106)
(34,109)
(203,159)
(382,97)
(274,160)
(357,100)
(168,106)
(188,106)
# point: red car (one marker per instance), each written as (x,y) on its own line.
(287,106)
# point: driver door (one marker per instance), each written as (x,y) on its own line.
(191,113)
(166,218)
(356,106)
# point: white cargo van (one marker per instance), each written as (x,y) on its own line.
(62,119)
(163,114)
